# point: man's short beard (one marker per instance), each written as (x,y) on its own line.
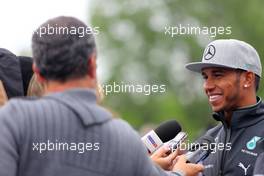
(236,95)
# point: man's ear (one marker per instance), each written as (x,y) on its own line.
(92,66)
(248,80)
(36,71)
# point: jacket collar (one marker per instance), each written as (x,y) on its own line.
(83,103)
(243,117)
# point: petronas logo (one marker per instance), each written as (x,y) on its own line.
(251,145)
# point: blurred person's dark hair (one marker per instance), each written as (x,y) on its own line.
(10,74)
(26,71)
(65,56)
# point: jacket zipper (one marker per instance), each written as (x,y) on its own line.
(227,139)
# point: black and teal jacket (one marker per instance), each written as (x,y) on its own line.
(242,142)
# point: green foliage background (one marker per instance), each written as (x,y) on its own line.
(133,48)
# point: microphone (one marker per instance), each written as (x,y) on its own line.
(163,133)
(176,142)
(201,150)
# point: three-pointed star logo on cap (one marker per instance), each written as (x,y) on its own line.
(209,52)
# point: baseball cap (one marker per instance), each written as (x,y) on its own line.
(228,53)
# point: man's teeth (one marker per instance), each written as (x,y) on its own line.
(214,97)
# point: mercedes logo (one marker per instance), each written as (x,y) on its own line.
(209,52)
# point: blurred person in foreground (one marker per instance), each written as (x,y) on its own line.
(11,79)
(66,132)
(26,71)
(231,70)
(15,74)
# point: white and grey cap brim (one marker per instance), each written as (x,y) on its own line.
(198,66)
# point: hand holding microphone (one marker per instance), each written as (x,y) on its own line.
(175,143)
(154,142)
(161,153)
(161,158)
(167,153)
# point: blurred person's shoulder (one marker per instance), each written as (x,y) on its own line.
(16,114)
(123,131)
(17,105)
(121,125)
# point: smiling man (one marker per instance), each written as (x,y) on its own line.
(231,70)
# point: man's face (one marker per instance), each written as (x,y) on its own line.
(222,86)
